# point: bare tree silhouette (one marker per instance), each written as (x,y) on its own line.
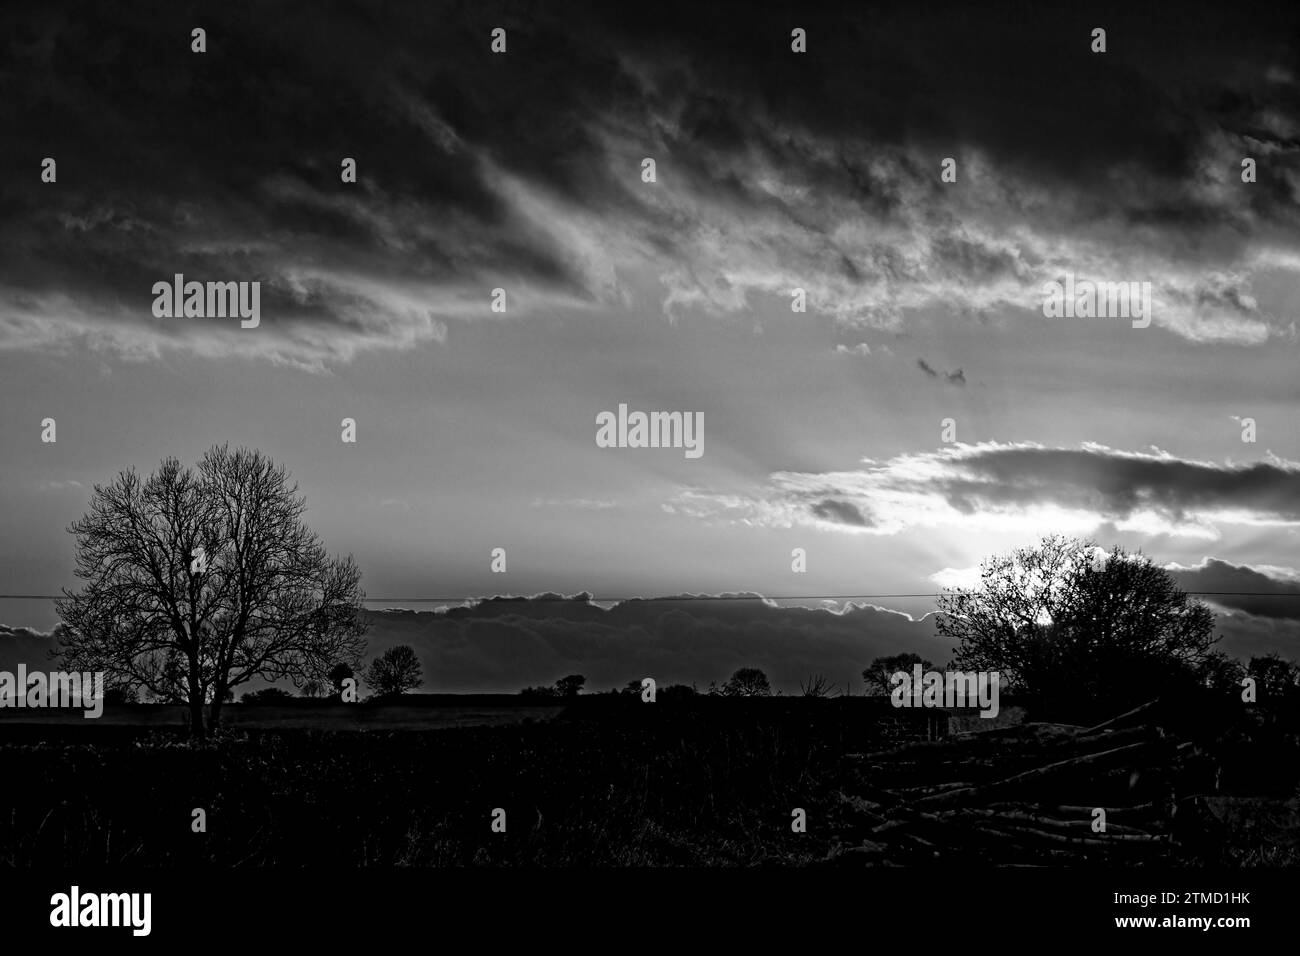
(198,580)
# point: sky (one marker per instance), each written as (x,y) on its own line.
(823,429)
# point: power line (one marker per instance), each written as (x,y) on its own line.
(683,597)
(679,597)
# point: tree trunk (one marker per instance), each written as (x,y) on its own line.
(197,731)
(218,698)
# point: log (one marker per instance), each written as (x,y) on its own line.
(1008,841)
(934,788)
(1095,840)
(1124,716)
(1071,763)
(1110,808)
(1018,816)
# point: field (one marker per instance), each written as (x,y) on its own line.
(605,782)
(435,713)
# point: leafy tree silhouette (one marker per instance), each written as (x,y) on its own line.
(878,673)
(337,675)
(570,686)
(395,671)
(747,682)
(1068,624)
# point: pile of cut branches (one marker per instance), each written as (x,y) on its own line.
(1034,794)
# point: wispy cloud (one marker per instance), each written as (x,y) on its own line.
(53,485)
(581,504)
(1021,485)
(484,181)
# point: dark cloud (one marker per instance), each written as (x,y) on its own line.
(505,644)
(974,261)
(993,482)
(952,378)
(1118,484)
(1244,636)
(225,165)
(26,645)
(1217,576)
(26,633)
(842,512)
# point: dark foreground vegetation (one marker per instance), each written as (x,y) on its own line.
(614,782)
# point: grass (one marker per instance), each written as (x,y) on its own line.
(608,782)
(710,784)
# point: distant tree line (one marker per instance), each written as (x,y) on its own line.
(199,580)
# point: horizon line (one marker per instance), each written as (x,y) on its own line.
(552,596)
